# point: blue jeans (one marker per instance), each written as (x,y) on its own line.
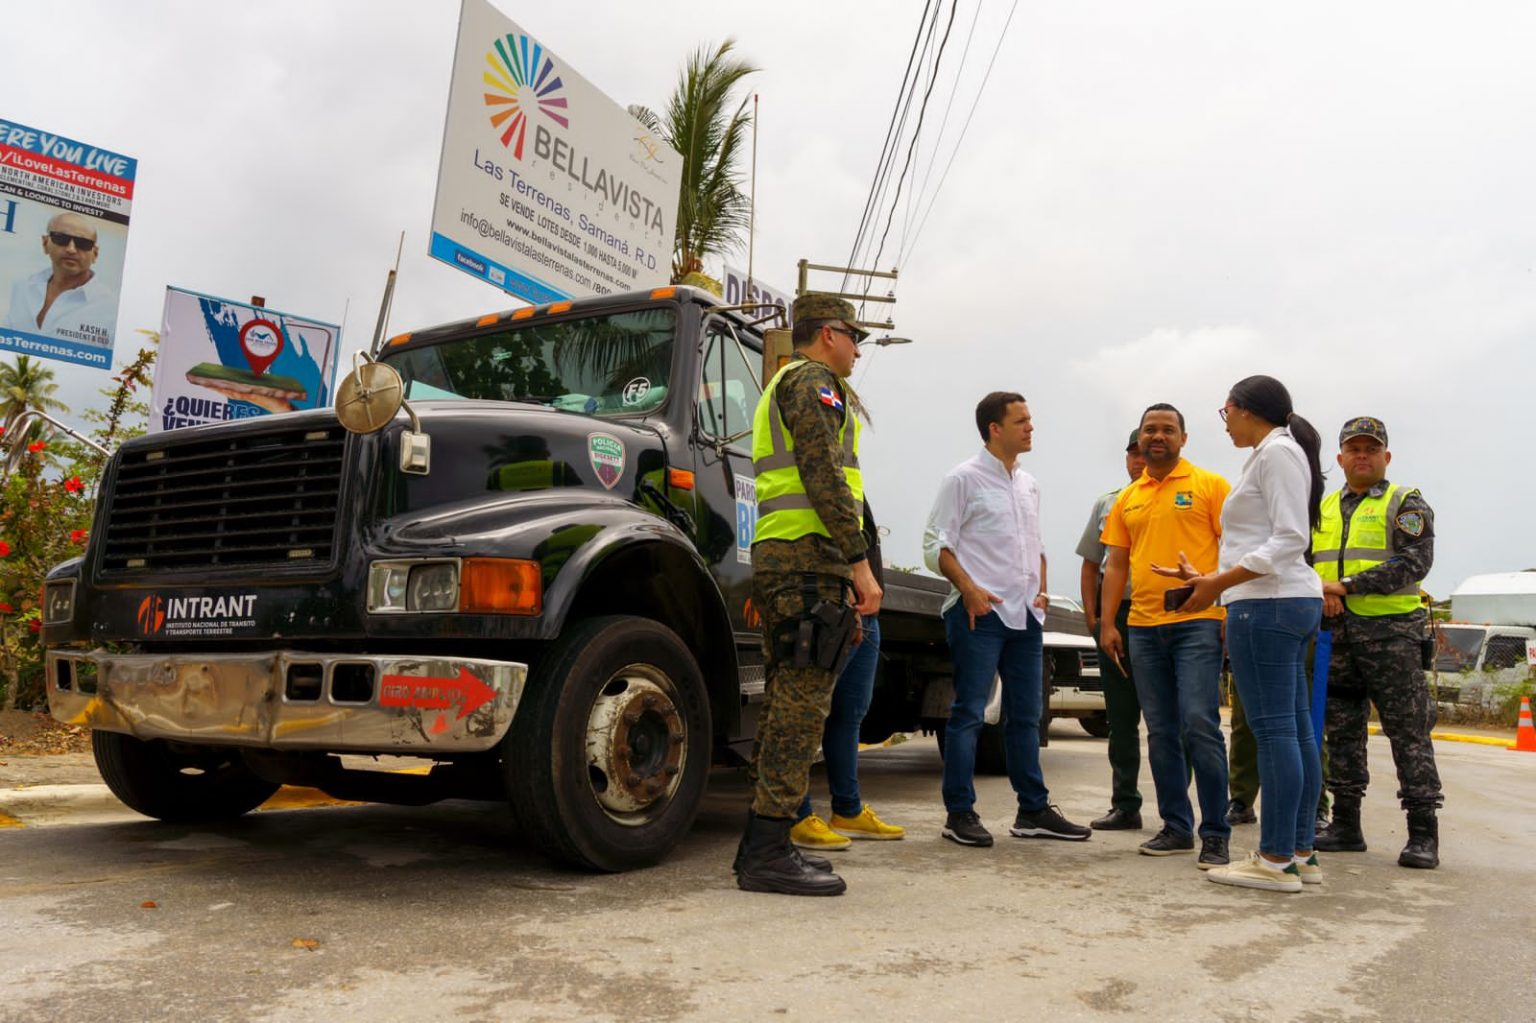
(994,649)
(1267,641)
(840,735)
(1177,671)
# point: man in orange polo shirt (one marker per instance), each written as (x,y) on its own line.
(1173,508)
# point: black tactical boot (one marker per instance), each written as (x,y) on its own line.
(811,860)
(768,863)
(1343,833)
(1423,848)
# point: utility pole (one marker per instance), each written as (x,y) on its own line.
(777,344)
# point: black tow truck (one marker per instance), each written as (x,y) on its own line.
(536,579)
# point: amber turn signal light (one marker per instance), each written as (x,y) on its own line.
(507,586)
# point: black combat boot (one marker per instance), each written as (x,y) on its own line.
(820,863)
(1423,848)
(1342,833)
(768,863)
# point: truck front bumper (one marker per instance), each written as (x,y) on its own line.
(287,699)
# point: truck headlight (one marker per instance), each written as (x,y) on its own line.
(397,586)
(59,602)
(433,587)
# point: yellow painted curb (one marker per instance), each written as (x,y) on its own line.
(1481,740)
(7,821)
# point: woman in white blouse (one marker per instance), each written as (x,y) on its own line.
(1274,603)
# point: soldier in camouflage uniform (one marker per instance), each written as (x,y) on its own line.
(1376,543)
(809,572)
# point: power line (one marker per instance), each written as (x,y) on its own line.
(922,189)
(922,110)
(866,242)
(964,128)
(886,145)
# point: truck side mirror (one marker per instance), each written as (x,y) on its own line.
(369,398)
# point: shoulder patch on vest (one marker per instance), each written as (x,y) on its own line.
(1411,522)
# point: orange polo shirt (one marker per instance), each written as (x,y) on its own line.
(1156,519)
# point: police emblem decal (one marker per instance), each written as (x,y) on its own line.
(1411,523)
(606,452)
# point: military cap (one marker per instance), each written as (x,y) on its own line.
(1364,426)
(1134,444)
(815,306)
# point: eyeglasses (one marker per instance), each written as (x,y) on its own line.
(1225,411)
(852,335)
(64,241)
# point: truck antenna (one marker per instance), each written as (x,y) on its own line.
(388,300)
(752,202)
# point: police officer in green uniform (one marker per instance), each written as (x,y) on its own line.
(810,574)
(1375,544)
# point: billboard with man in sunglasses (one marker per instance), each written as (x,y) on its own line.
(63,229)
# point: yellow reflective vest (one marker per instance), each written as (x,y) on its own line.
(1367,543)
(784,510)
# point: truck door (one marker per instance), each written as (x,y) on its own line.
(728,393)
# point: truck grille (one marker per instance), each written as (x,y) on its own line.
(233,501)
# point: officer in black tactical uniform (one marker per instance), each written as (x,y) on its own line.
(1375,545)
(810,573)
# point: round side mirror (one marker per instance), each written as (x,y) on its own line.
(368,398)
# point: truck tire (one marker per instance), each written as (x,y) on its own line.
(990,756)
(1096,725)
(606,760)
(179,784)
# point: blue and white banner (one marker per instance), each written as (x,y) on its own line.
(63,231)
(222,360)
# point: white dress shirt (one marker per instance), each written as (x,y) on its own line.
(989,520)
(86,314)
(1264,524)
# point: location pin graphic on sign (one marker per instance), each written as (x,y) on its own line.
(262,342)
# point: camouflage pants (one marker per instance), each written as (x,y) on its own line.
(1388,673)
(796,700)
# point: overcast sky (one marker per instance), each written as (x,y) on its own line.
(1153,201)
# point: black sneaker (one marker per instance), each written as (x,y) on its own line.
(1239,812)
(1167,843)
(1213,853)
(965,828)
(1117,820)
(1047,823)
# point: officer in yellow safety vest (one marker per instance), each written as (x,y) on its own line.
(1375,544)
(810,581)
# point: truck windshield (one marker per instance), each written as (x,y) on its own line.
(613,365)
(1456,648)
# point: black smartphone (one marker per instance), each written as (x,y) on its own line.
(1173,599)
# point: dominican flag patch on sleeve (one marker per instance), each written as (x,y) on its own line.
(829,397)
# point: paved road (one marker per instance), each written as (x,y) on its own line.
(437,914)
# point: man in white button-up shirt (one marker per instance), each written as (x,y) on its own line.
(983,536)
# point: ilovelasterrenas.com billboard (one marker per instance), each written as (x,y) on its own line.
(547,188)
(63,230)
(222,360)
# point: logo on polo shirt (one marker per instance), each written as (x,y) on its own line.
(1184,499)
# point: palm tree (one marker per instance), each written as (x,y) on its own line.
(709,134)
(26,383)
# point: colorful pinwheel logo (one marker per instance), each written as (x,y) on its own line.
(522,78)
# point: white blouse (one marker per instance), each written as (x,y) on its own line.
(1264,525)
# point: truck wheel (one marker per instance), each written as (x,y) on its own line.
(607,757)
(1096,725)
(180,784)
(990,756)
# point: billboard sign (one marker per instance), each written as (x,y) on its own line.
(63,231)
(737,292)
(222,360)
(547,188)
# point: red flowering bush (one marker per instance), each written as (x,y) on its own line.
(45,517)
